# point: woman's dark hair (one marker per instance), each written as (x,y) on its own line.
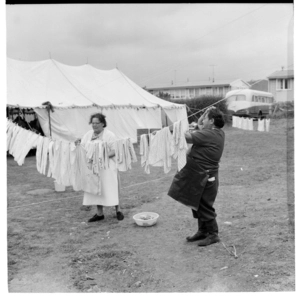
(101,117)
(218,117)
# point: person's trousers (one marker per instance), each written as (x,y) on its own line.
(206,214)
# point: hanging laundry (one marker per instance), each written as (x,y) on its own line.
(88,179)
(161,149)
(94,159)
(97,156)
(234,118)
(261,125)
(268,125)
(103,155)
(51,157)
(250,124)
(144,152)
(131,150)
(29,143)
(119,154)
(78,166)
(9,133)
(39,153)
(179,144)
(124,154)
(45,155)
(244,124)
(56,174)
(65,163)
(15,132)
(20,139)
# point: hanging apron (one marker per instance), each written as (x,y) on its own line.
(188,184)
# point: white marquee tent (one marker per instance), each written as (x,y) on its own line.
(76,92)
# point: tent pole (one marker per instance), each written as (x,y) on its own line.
(49,107)
(49,121)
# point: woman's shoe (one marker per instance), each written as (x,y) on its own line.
(120,216)
(96,218)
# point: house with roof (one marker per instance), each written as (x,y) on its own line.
(281,85)
(189,90)
(260,85)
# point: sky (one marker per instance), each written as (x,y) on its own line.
(157,43)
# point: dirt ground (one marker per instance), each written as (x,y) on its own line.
(51,248)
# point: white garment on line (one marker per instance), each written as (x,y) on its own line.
(9,134)
(56,174)
(234,121)
(179,144)
(51,157)
(125,154)
(268,125)
(161,149)
(261,125)
(29,143)
(45,155)
(144,152)
(78,165)
(19,141)
(65,163)
(15,132)
(250,124)
(39,154)
(244,124)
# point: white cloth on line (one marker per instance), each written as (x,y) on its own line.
(31,142)
(250,124)
(144,152)
(234,121)
(45,155)
(51,157)
(244,123)
(161,150)
(268,125)
(261,125)
(179,144)
(39,154)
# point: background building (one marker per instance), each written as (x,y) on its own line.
(260,85)
(281,85)
(190,90)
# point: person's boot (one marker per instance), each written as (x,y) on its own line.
(212,229)
(200,234)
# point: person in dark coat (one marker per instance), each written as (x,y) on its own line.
(196,185)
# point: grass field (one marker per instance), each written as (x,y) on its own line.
(51,248)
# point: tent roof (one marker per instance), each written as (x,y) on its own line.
(29,84)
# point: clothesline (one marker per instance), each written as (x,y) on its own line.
(67,163)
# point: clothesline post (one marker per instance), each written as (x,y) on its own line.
(49,121)
(49,107)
